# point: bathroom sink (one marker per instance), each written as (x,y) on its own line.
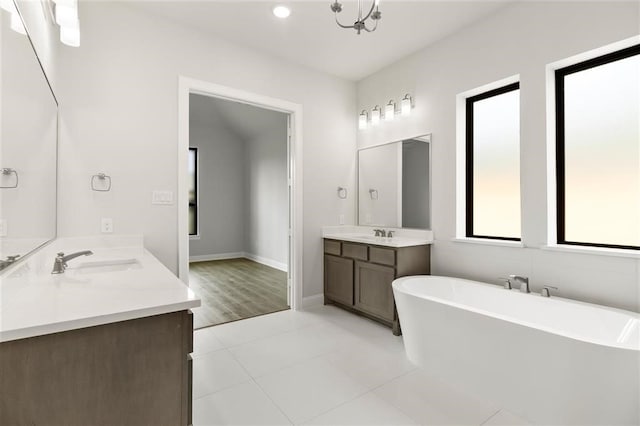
(106,265)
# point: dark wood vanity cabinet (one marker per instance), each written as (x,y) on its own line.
(358,276)
(135,372)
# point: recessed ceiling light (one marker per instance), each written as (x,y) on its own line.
(282,11)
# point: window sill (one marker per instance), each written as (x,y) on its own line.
(194,237)
(600,251)
(489,242)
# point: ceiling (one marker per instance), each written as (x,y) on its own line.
(310,36)
(245,121)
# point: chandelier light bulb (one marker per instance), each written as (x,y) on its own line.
(8,6)
(66,15)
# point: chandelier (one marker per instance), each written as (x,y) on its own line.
(360,24)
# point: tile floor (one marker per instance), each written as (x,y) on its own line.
(323,366)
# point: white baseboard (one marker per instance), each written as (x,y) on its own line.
(221,256)
(311,301)
(269,262)
(263,260)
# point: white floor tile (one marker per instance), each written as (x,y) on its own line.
(367,410)
(432,402)
(205,341)
(243,404)
(215,371)
(505,418)
(369,363)
(273,353)
(309,389)
(239,332)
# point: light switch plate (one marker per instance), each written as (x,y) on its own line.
(107,225)
(3,227)
(162,197)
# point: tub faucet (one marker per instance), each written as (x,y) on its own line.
(60,263)
(524,282)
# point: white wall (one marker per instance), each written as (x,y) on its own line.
(118,103)
(221,183)
(267,203)
(520,39)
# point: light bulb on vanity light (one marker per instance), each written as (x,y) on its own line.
(405,105)
(8,6)
(375,116)
(17,25)
(70,35)
(66,14)
(390,111)
(362,120)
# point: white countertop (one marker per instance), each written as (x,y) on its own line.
(364,234)
(120,281)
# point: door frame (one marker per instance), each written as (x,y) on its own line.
(187,86)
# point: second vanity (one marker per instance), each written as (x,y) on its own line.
(359,269)
(106,342)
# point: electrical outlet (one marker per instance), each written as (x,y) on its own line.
(341,219)
(107,225)
(3,227)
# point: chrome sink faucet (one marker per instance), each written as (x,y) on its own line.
(523,281)
(380,232)
(60,263)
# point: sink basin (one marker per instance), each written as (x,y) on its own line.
(106,265)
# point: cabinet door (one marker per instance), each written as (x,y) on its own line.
(338,279)
(374,294)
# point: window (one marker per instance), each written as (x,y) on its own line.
(193,191)
(493,164)
(598,151)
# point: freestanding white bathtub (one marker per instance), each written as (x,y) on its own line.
(552,361)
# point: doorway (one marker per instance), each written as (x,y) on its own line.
(239,205)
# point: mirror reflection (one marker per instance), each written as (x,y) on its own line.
(394,184)
(28,147)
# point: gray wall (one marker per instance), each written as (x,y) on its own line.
(243,201)
(221,183)
(267,215)
(415,185)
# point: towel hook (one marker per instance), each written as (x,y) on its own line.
(7,171)
(342,193)
(101,177)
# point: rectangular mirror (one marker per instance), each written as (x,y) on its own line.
(28,148)
(394,184)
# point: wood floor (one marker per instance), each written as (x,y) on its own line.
(236,289)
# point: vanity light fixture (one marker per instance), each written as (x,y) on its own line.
(17,25)
(16,22)
(375,115)
(390,111)
(405,105)
(281,11)
(360,24)
(66,16)
(362,120)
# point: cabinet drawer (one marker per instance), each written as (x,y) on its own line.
(355,251)
(382,256)
(332,247)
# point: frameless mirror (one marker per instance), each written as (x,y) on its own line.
(394,184)
(28,148)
